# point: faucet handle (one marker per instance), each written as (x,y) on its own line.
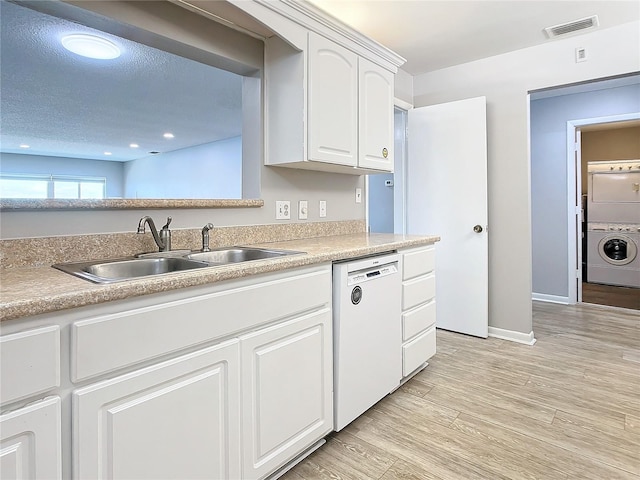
(166,226)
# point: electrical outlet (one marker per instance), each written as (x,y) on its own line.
(323,208)
(358,195)
(283,210)
(303,210)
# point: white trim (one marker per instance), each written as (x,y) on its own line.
(573,184)
(397,102)
(512,335)
(543,297)
(367,225)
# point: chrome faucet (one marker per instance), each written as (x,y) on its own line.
(205,237)
(162,239)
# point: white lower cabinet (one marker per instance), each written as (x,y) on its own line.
(30,443)
(176,419)
(418,308)
(227,381)
(287,391)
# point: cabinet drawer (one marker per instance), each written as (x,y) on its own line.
(419,319)
(105,343)
(418,351)
(417,291)
(418,262)
(30,362)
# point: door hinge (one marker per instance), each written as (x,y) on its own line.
(577,273)
(575,146)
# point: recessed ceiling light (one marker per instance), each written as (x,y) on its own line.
(134,145)
(107,153)
(90,46)
(168,135)
(23,145)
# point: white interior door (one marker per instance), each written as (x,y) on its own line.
(447,196)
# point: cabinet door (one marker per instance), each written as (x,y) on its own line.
(332,97)
(176,419)
(286,391)
(30,447)
(375,117)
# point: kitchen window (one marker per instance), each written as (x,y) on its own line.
(51,186)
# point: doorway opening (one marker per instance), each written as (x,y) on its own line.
(606,183)
(385,192)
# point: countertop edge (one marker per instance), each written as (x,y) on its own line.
(91,294)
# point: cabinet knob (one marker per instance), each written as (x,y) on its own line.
(477,229)
(385,152)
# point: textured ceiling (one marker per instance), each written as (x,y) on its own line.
(62,104)
(434,34)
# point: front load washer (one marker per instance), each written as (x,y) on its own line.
(613,254)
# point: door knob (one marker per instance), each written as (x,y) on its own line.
(477,229)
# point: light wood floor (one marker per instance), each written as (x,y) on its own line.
(624,297)
(566,408)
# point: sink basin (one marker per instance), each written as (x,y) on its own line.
(118,270)
(238,254)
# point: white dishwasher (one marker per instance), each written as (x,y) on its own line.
(367,331)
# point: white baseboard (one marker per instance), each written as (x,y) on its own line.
(513,336)
(543,297)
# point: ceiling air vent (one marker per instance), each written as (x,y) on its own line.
(570,27)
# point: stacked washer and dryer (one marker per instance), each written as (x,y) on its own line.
(613,228)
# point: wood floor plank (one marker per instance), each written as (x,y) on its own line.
(403,470)
(409,444)
(632,424)
(578,399)
(570,463)
(469,447)
(500,400)
(570,420)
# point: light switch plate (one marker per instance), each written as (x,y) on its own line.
(303,210)
(358,195)
(283,210)
(323,208)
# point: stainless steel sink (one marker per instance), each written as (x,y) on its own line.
(109,271)
(238,254)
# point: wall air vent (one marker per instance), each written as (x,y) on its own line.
(571,27)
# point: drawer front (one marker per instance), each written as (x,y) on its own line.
(418,351)
(417,291)
(419,319)
(105,343)
(30,363)
(418,262)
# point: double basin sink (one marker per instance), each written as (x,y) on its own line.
(110,271)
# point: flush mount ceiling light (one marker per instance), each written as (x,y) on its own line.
(168,135)
(90,46)
(24,145)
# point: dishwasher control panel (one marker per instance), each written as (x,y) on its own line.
(370,274)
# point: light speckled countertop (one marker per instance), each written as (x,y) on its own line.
(35,290)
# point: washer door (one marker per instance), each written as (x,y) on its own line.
(617,249)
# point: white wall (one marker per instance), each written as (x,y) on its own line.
(403,86)
(549,194)
(506,80)
(212,170)
(25,163)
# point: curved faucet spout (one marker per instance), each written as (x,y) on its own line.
(163,246)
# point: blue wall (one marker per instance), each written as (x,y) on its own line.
(212,170)
(549,196)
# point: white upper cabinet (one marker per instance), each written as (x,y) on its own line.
(375,114)
(328,108)
(333,103)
